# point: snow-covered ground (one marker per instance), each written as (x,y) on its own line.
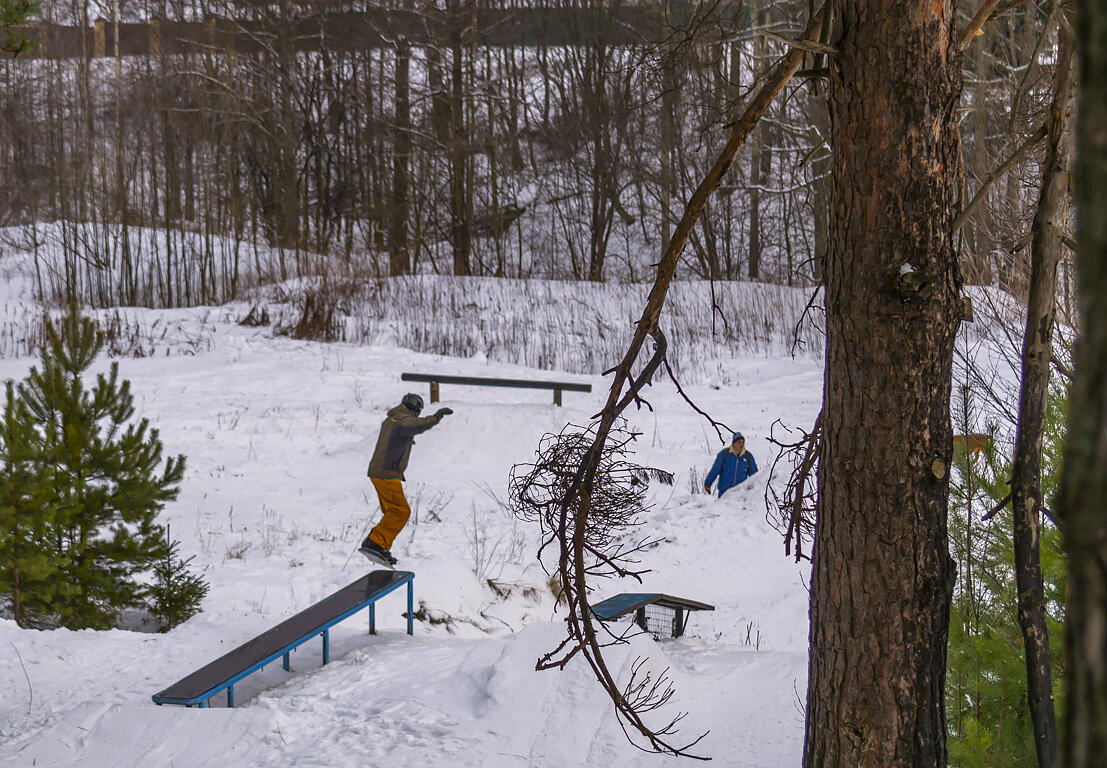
(278,434)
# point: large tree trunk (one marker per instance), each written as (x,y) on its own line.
(1037,352)
(882,575)
(1084,486)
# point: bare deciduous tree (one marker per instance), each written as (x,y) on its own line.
(1047,243)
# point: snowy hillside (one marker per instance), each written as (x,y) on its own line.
(277,433)
(572,326)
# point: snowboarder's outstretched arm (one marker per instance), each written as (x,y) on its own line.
(407,424)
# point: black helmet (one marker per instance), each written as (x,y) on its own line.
(413,403)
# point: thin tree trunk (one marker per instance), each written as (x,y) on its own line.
(821,193)
(760,159)
(756,169)
(1037,352)
(399,258)
(668,143)
(1084,485)
(882,576)
(459,192)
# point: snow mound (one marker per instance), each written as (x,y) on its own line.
(278,434)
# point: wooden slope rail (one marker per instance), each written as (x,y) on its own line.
(198,687)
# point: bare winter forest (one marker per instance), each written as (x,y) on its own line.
(857,181)
(250,142)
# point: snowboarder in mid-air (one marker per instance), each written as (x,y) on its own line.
(386,471)
(732,466)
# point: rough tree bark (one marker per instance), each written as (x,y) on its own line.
(1084,484)
(1046,247)
(882,575)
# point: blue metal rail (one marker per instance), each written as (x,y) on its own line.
(281,640)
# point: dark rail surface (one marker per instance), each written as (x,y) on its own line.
(670,622)
(435,379)
(252,655)
(628,602)
(480,381)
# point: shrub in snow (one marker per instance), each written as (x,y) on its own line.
(176,593)
(83,491)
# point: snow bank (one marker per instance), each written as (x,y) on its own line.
(278,434)
(569,326)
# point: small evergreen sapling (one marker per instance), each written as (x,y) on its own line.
(107,489)
(31,576)
(989,719)
(177,592)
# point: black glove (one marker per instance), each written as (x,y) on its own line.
(443,412)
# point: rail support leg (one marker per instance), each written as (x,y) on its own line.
(326,646)
(230,696)
(410,608)
(372,618)
(434,391)
(286,664)
(557,397)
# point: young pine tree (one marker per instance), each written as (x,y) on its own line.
(31,577)
(176,593)
(107,487)
(986,700)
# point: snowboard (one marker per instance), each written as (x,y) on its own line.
(373,557)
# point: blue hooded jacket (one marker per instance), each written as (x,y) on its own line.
(730,469)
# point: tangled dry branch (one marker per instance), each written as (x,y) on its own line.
(792,512)
(571,514)
(555,494)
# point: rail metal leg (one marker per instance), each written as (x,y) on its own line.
(230,696)
(326,646)
(286,664)
(557,397)
(410,608)
(372,618)
(434,391)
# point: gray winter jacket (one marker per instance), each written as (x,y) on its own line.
(394,443)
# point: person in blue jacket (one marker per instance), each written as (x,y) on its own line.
(732,466)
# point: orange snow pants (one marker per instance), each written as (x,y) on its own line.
(394,508)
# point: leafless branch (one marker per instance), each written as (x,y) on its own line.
(725,430)
(1032,141)
(983,13)
(811,46)
(792,512)
(578,513)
